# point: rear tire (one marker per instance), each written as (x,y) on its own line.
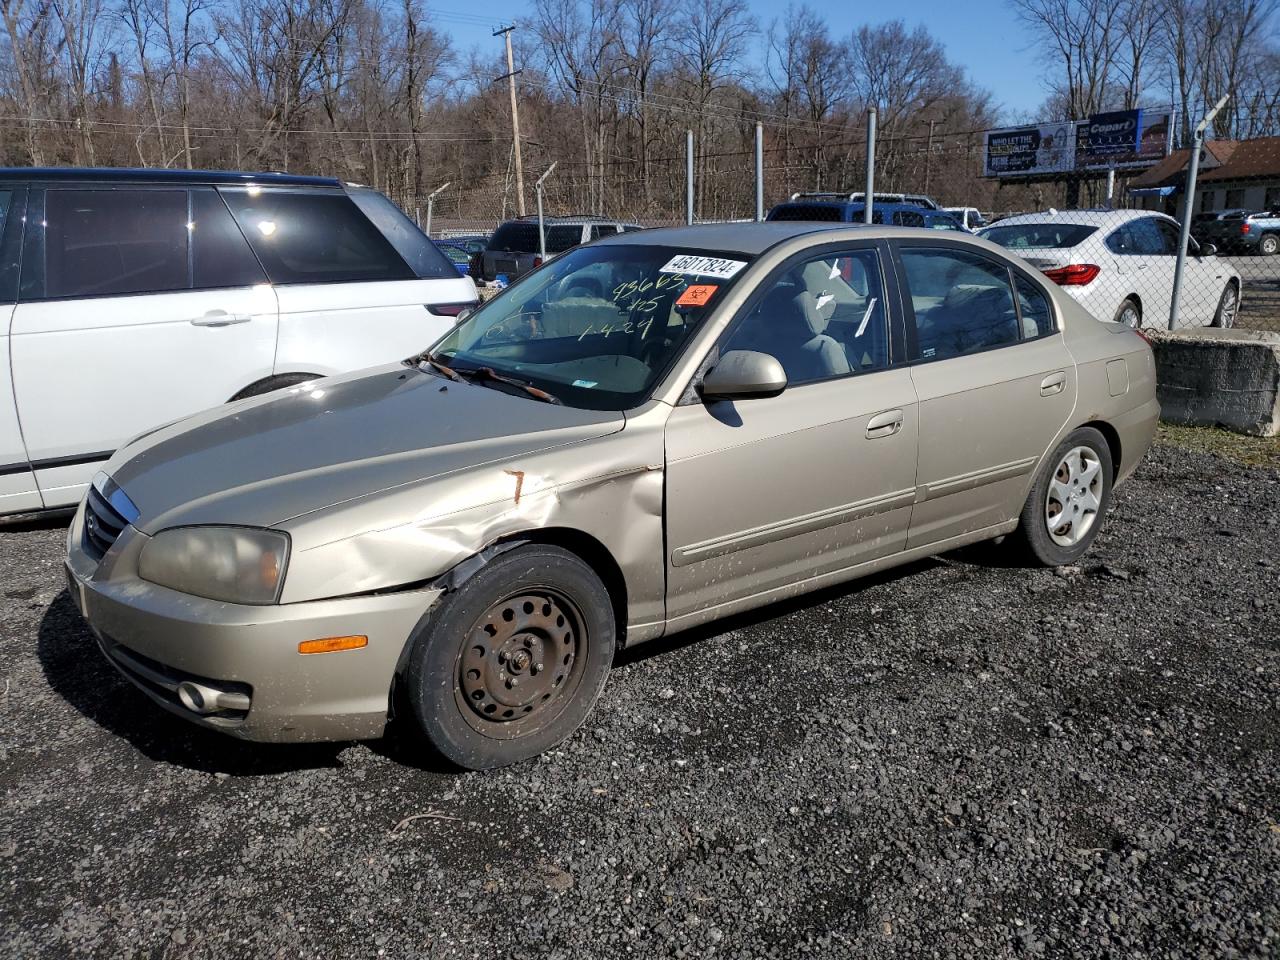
(1129,313)
(1068,501)
(1228,305)
(512,662)
(1268,245)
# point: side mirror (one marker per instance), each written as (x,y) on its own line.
(742,375)
(1207,250)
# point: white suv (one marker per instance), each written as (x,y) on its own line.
(129,298)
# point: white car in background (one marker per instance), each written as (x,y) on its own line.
(970,217)
(1119,265)
(131,298)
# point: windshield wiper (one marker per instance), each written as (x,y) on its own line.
(444,368)
(483,374)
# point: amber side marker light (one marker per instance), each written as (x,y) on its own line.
(332,644)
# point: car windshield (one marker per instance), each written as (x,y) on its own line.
(1040,235)
(597,327)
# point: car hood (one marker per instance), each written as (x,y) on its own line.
(262,462)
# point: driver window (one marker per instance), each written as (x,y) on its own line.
(822,318)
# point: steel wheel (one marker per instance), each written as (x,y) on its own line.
(1269,245)
(520,665)
(1074,497)
(1227,308)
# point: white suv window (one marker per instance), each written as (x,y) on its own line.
(112,242)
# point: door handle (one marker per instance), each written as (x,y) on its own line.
(1054,383)
(219,318)
(884,424)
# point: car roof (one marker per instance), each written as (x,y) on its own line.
(755,238)
(1096,218)
(131,175)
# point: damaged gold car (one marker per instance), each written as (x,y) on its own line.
(645,434)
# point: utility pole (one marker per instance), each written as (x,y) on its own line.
(928,155)
(510,77)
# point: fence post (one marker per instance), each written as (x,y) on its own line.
(759,172)
(542,234)
(1111,188)
(688,176)
(431,203)
(869,198)
(1193,167)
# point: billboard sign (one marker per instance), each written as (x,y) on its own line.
(1113,134)
(1027,151)
(1130,138)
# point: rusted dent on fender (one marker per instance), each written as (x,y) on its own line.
(519,475)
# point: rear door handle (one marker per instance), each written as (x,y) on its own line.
(219,318)
(884,424)
(1054,383)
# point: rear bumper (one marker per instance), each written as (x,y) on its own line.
(159,638)
(1136,429)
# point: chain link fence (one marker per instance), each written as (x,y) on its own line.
(1108,234)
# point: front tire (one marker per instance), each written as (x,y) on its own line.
(512,662)
(1228,305)
(1268,245)
(1067,503)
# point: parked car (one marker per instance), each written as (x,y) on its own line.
(458,255)
(1243,232)
(1119,265)
(1201,221)
(145,295)
(649,433)
(970,217)
(851,211)
(471,242)
(514,249)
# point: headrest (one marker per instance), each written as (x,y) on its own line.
(968,294)
(793,314)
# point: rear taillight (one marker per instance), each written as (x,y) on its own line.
(1244,228)
(450,309)
(537,262)
(1074,274)
(1139,332)
(476,267)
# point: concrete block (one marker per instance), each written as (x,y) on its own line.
(1225,378)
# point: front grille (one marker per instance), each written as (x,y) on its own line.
(102,524)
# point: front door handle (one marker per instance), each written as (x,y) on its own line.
(1052,384)
(219,318)
(884,424)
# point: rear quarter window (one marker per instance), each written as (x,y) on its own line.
(422,256)
(311,236)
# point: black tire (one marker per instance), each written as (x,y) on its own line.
(457,681)
(1221,319)
(274,383)
(1269,245)
(1033,533)
(1128,304)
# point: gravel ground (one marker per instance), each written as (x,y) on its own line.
(957,759)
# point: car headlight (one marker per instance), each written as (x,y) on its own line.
(234,564)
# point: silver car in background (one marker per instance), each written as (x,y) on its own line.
(648,433)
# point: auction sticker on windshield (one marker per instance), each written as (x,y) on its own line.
(703,266)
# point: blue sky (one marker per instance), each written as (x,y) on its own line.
(983,36)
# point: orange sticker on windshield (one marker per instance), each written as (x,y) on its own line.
(697,295)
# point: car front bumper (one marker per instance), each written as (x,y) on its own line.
(160,638)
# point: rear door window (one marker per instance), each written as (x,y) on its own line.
(313,236)
(220,255)
(963,303)
(113,242)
